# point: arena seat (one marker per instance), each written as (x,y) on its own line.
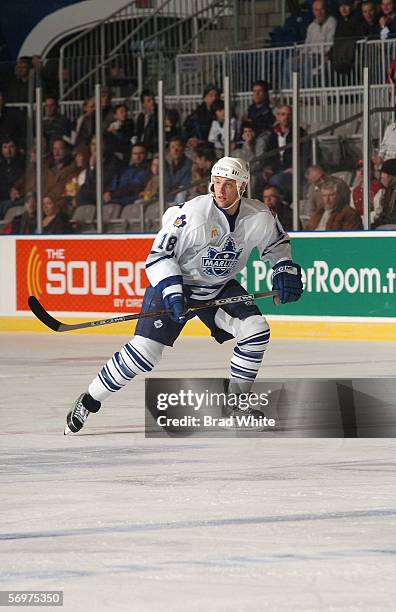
(111,212)
(330,151)
(83,218)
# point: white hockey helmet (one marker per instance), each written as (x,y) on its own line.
(234,168)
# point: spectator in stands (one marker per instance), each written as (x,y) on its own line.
(387,20)
(54,220)
(272,199)
(82,129)
(15,199)
(347,32)
(191,147)
(294,29)
(335,214)
(252,146)
(72,187)
(261,180)
(246,148)
(112,167)
(124,86)
(55,125)
(172,124)
(151,188)
(27,181)
(127,187)
(260,112)
(322,28)
(87,126)
(58,169)
(12,167)
(251,150)
(357,191)
(387,149)
(106,106)
(47,75)
(317,177)
(282,158)
(26,223)
(147,123)
(387,216)
(12,123)
(150,196)
(216,133)
(201,167)
(178,170)
(370,27)
(120,132)
(197,125)
(18,86)
(319,33)
(391,76)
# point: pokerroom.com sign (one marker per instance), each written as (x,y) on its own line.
(347,274)
(87,275)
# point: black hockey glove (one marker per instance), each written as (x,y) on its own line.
(175,303)
(286,279)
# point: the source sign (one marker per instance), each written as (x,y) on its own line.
(84,275)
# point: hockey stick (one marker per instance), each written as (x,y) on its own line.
(39,311)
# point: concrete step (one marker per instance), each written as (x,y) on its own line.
(262,7)
(218,40)
(267,16)
(245,21)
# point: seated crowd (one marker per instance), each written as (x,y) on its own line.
(327,32)
(263,136)
(326,21)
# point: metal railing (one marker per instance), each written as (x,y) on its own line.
(135,43)
(275,65)
(318,107)
(324,112)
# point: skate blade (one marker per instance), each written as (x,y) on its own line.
(68,431)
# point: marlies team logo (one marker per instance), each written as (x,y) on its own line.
(220,262)
(180,221)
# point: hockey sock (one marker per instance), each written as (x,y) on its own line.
(248,353)
(139,356)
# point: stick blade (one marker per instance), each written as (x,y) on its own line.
(42,315)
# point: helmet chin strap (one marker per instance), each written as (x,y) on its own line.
(231,205)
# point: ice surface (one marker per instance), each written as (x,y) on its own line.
(120,522)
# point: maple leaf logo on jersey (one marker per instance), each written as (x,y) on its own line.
(180,221)
(220,262)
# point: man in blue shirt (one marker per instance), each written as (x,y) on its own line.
(126,187)
(178,171)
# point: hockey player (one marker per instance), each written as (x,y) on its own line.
(194,257)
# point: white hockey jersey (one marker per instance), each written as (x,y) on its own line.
(207,247)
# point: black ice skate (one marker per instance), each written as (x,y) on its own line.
(230,409)
(79,413)
(238,408)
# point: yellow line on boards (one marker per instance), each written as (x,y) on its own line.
(320,330)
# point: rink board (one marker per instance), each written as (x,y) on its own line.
(349,283)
